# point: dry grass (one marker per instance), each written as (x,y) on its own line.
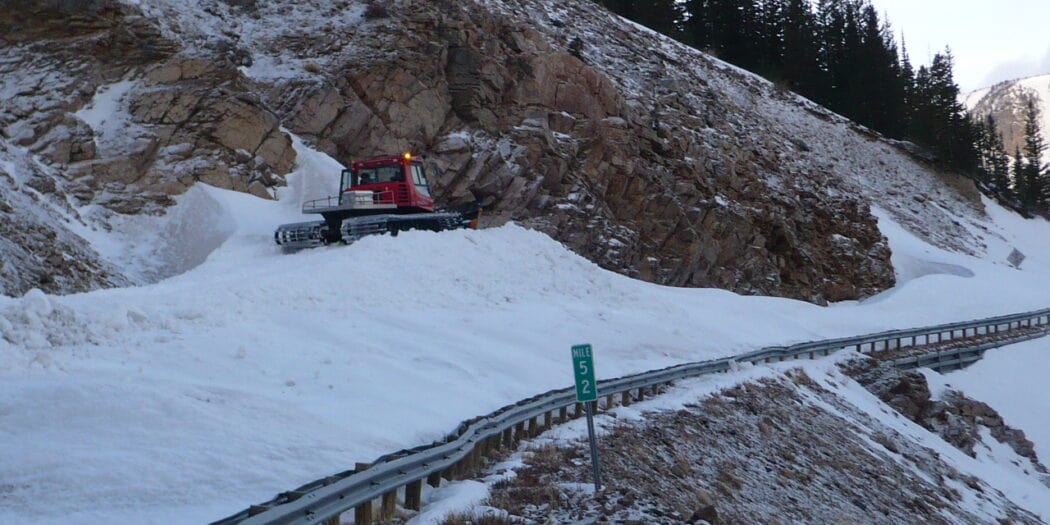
(533,484)
(467,518)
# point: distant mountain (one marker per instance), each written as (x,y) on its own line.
(1006,101)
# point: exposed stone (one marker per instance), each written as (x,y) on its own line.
(955,417)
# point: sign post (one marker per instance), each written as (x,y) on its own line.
(587,393)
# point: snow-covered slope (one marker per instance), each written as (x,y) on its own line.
(184,400)
(1006,102)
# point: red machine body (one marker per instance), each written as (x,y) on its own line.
(400,181)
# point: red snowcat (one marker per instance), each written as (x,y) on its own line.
(380,195)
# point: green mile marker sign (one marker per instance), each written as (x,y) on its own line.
(587,393)
(583,368)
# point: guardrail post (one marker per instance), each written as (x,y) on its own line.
(434,479)
(363,514)
(577,410)
(641,393)
(625,398)
(508,437)
(548,419)
(563,414)
(519,432)
(534,429)
(414,494)
(610,401)
(386,510)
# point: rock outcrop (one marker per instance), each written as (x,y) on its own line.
(654,188)
(782,450)
(955,417)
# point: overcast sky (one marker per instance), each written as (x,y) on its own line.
(991,40)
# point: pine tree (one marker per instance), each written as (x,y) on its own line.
(997,162)
(801,70)
(662,16)
(1034,173)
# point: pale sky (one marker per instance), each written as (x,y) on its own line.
(992,40)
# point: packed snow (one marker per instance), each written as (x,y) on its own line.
(255,371)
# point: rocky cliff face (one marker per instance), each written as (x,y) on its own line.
(650,159)
(1006,102)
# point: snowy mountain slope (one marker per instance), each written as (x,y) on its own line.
(256,370)
(640,154)
(238,372)
(809,141)
(1006,102)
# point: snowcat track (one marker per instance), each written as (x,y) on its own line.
(355,228)
(299,235)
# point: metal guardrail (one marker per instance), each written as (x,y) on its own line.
(322,501)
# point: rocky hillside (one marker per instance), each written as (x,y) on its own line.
(1006,102)
(647,157)
(801,446)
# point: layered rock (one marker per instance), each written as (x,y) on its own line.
(652,187)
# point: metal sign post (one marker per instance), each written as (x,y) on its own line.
(587,393)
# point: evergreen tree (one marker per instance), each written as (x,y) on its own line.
(1033,172)
(907,83)
(995,161)
(801,69)
(662,16)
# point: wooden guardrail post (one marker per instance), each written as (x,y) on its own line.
(641,393)
(414,494)
(363,512)
(625,398)
(548,419)
(434,479)
(508,437)
(389,505)
(473,462)
(577,410)
(519,433)
(563,414)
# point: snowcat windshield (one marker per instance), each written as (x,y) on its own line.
(380,174)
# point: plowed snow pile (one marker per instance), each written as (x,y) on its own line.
(185,400)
